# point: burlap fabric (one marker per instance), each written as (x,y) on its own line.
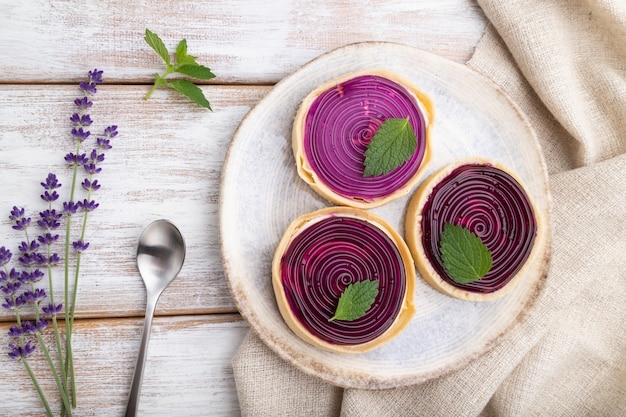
(564,64)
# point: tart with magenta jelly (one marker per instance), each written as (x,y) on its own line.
(336,125)
(343,280)
(472,229)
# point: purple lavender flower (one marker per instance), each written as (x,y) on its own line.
(51,182)
(80,134)
(89,205)
(34,276)
(80,246)
(9,304)
(41,324)
(21,351)
(34,296)
(69,207)
(54,259)
(92,169)
(52,310)
(111,131)
(49,219)
(103,143)
(15,331)
(78,120)
(50,197)
(18,216)
(90,185)
(87,88)
(26,247)
(28,327)
(48,239)
(72,159)
(96,157)
(5,256)
(83,103)
(10,288)
(95,76)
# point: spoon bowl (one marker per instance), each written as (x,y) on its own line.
(160,257)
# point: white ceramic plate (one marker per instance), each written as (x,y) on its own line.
(261,194)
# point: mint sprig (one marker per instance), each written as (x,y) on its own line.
(184,64)
(465,257)
(392,145)
(355,300)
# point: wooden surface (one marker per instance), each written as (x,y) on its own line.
(166,163)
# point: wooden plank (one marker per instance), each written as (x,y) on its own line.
(188,369)
(166,163)
(242,41)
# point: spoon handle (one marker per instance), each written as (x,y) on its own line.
(135,390)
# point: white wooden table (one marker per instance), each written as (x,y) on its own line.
(166,163)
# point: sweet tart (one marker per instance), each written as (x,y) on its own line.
(335,124)
(324,252)
(489,201)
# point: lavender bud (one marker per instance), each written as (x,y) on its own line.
(95,76)
(52,310)
(83,103)
(80,246)
(5,255)
(15,331)
(79,134)
(103,143)
(51,182)
(69,207)
(90,185)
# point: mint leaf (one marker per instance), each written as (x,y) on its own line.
(465,257)
(191,91)
(184,64)
(196,71)
(157,44)
(393,144)
(355,300)
(181,51)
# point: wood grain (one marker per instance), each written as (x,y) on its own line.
(243,42)
(188,371)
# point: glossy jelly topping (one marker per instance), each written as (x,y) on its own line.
(490,203)
(340,124)
(327,256)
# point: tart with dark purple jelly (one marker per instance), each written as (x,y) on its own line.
(324,253)
(491,203)
(335,125)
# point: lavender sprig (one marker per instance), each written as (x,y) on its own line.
(91,165)
(19,287)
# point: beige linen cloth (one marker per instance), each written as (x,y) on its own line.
(564,64)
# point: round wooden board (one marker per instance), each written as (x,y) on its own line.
(261,194)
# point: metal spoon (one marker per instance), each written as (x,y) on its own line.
(160,256)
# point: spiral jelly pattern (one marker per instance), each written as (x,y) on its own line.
(490,203)
(326,257)
(340,124)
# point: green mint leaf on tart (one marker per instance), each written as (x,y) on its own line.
(393,144)
(183,64)
(355,300)
(465,257)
